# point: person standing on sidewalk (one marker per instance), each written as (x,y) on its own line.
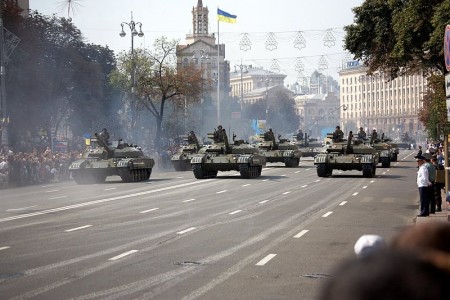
(424,184)
(431,178)
(437,186)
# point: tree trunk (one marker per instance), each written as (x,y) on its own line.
(158,132)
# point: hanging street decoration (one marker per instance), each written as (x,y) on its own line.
(323,64)
(299,41)
(271,42)
(245,43)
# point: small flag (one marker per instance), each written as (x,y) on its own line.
(225,17)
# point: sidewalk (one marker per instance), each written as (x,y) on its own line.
(442,216)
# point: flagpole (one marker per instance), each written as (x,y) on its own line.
(218,71)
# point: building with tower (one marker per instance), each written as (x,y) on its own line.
(201,50)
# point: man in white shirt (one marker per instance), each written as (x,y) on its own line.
(424,185)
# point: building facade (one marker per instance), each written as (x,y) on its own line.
(200,49)
(376,102)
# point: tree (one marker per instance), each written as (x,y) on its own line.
(53,76)
(404,37)
(158,80)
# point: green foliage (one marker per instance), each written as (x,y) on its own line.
(53,77)
(434,111)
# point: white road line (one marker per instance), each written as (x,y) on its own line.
(246,184)
(284,175)
(48,211)
(364,187)
(327,214)
(150,182)
(186,230)
(307,169)
(180,177)
(265,180)
(297,172)
(51,191)
(188,200)
(300,234)
(78,228)
(265,260)
(4,248)
(303,186)
(372,181)
(318,180)
(354,194)
(123,255)
(22,208)
(264,201)
(342,203)
(285,193)
(148,210)
(46,186)
(108,189)
(59,197)
(220,192)
(235,212)
(388,170)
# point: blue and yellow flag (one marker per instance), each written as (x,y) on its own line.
(225,17)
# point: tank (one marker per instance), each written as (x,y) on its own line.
(283,151)
(309,147)
(100,160)
(347,155)
(384,150)
(223,156)
(181,161)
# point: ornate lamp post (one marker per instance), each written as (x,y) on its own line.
(134,32)
(243,69)
(267,81)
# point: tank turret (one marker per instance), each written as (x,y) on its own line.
(283,151)
(181,160)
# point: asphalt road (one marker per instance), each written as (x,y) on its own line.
(175,237)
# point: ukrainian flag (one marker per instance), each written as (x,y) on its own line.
(225,17)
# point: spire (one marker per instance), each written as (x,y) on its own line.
(199,3)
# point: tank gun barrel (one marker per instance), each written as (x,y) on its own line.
(225,141)
(382,137)
(348,149)
(103,144)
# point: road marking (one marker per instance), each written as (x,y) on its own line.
(388,170)
(285,193)
(148,210)
(186,230)
(342,203)
(297,172)
(300,234)
(46,186)
(188,200)
(123,255)
(246,184)
(307,169)
(180,177)
(108,189)
(284,175)
(265,260)
(318,180)
(372,181)
(48,211)
(22,208)
(51,191)
(265,180)
(235,212)
(354,194)
(220,192)
(78,228)
(364,187)
(264,201)
(327,214)
(150,182)
(303,186)
(59,197)
(4,248)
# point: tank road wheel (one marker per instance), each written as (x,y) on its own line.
(394,157)
(244,170)
(323,170)
(148,172)
(81,178)
(212,174)
(198,172)
(368,170)
(259,171)
(125,174)
(385,162)
(291,162)
(99,178)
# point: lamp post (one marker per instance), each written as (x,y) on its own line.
(201,55)
(132,25)
(243,69)
(267,81)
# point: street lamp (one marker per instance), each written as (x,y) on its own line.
(267,81)
(134,32)
(243,69)
(202,55)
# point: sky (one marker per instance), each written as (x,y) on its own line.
(294,30)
